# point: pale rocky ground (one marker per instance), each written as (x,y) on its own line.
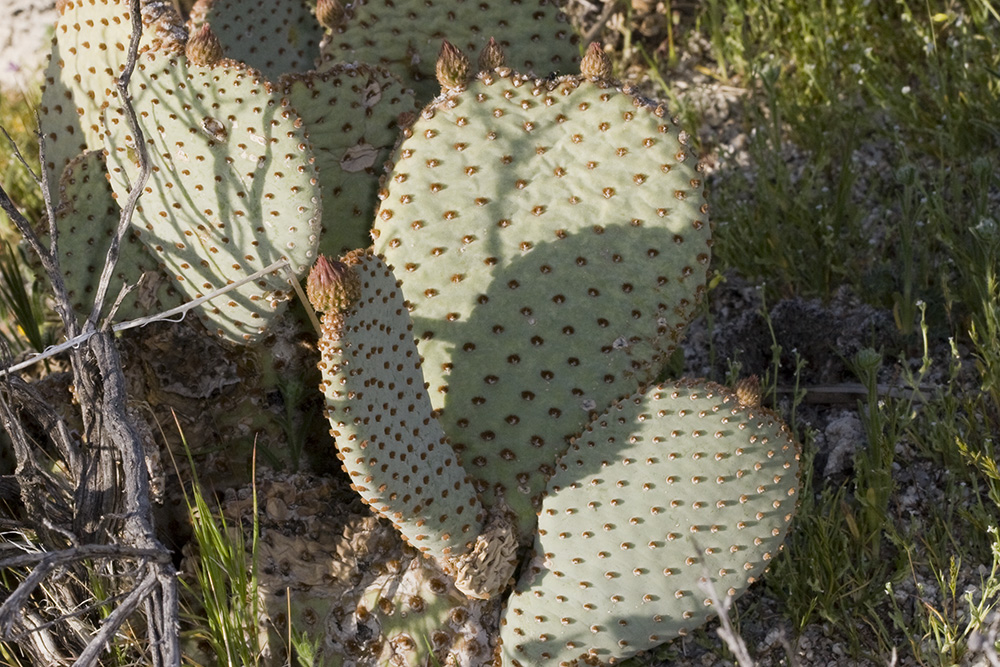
(24,35)
(25,30)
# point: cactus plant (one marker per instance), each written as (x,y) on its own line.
(668,489)
(395,452)
(239,151)
(351,114)
(88,51)
(88,218)
(545,278)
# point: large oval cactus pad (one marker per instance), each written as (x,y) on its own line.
(233,187)
(553,241)
(666,488)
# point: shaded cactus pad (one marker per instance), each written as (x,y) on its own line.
(396,454)
(666,489)
(233,187)
(405,36)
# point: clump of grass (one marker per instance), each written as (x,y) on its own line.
(17,118)
(225,617)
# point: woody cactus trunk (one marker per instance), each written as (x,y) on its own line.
(491,347)
(490,365)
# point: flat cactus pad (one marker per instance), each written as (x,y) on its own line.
(405,36)
(89,49)
(553,241)
(233,187)
(666,489)
(275,37)
(351,116)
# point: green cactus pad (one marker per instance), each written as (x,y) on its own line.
(553,241)
(405,36)
(275,37)
(233,187)
(89,49)
(87,220)
(663,490)
(350,114)
(396,454)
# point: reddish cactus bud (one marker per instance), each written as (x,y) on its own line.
(203,47)
(596,64)
(332,286)
(452,67)
(330,13)
(748,391)
(491,57)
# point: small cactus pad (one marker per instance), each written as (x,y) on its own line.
(89,49)
(350,114)
(405,36)
(87,220)
(553,241)
(421,619)
(663,490)
(274,37)
(233,186)
(396,454)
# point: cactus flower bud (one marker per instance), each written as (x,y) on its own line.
(452,67)
(748,391)
(329,13)
(332,286)
(491,57)
(203,47)
(596,64)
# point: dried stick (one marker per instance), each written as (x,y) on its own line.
(145,168)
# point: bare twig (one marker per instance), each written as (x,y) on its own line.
(167,315)
(145,168)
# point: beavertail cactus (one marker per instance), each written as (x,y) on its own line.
(89,50)
(238,150)
(276,37)
(351,115)
(87,218)
(667,490)
(552,239)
